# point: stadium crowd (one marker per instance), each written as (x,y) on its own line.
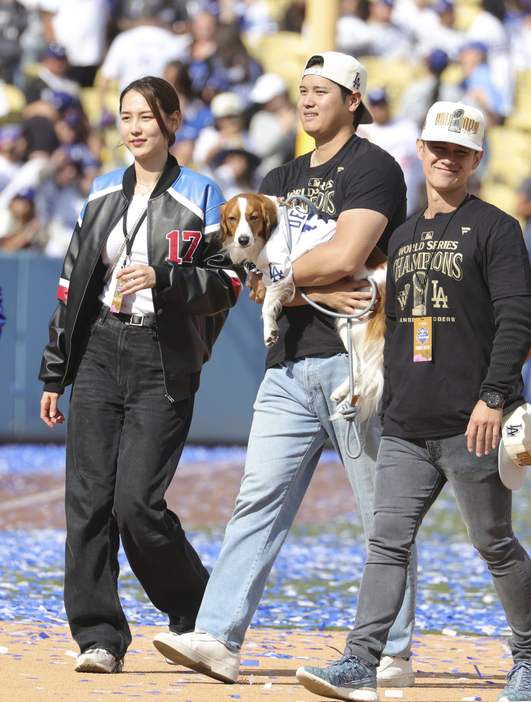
(63,63)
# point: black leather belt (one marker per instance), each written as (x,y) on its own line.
(133,320)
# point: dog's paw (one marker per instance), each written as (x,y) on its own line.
(341,392)
(271,339)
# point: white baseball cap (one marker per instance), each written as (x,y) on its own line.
(344,70)
(227,105)
(456,123)
(267,87)
(514,453)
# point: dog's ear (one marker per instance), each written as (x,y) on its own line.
(270,208)
(224,230)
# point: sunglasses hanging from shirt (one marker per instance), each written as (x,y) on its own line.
(127,244)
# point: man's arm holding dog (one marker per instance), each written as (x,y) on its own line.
(357,233)
(343,295)
(323,271)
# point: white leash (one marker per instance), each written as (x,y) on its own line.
(348,410)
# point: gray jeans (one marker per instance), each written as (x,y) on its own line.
(409,477)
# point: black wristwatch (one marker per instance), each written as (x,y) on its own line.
(492,399)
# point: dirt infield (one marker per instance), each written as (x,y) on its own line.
(36,500)
(36,664)
(36,660)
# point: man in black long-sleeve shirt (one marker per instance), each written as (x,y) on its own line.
(458,313)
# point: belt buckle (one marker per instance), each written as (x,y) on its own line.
(136,324)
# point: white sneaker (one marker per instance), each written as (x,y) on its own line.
(98,660)
(394,671)
(201,652)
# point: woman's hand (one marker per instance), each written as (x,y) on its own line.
(50,413)
(137,277)
(343,296)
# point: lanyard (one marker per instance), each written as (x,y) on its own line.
(129,237)
(421,281)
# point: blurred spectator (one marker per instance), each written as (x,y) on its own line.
(227,132)
(2,315)
(72,127)
(520,42)
(145,49)
(81,27)
(294,15)
(352,33)
(11,151)
(60,198)
(235,171)
(52,75)
(420,95)
(399,138)
(413,18)
(241,69)
(489,29)
(385,37)
(13,22)
(273,129)
(173,14)
(523,210)
(40,142)
(195,114)
(478,85)
(255,19)
(18,224)
(206,71)
(442,33)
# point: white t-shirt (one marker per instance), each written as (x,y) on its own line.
(142,51)
(306,232)
(142,301)
(80,26)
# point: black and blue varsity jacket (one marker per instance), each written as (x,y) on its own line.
(196,282)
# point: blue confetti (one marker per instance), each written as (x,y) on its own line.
(313,585)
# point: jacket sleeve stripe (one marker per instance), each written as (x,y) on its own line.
(236,282)
(187,203)
(101,193)
(62,292)
(212,228)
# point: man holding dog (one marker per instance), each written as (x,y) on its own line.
(458,330)
(362,187)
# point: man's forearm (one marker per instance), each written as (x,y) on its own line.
(512,343)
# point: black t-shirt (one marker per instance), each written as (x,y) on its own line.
(360,176)
(479,260)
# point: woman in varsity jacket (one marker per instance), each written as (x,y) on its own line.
(144,293)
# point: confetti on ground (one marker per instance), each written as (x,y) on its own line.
(309,587)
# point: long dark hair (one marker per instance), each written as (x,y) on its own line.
(161,97)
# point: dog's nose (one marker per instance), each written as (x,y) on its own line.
(243,240)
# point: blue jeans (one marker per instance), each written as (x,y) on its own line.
(290,427)
(409,477)
(124,440)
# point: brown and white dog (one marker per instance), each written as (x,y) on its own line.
(248,222)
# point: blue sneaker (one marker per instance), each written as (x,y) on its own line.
(518,688)
(346,679)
